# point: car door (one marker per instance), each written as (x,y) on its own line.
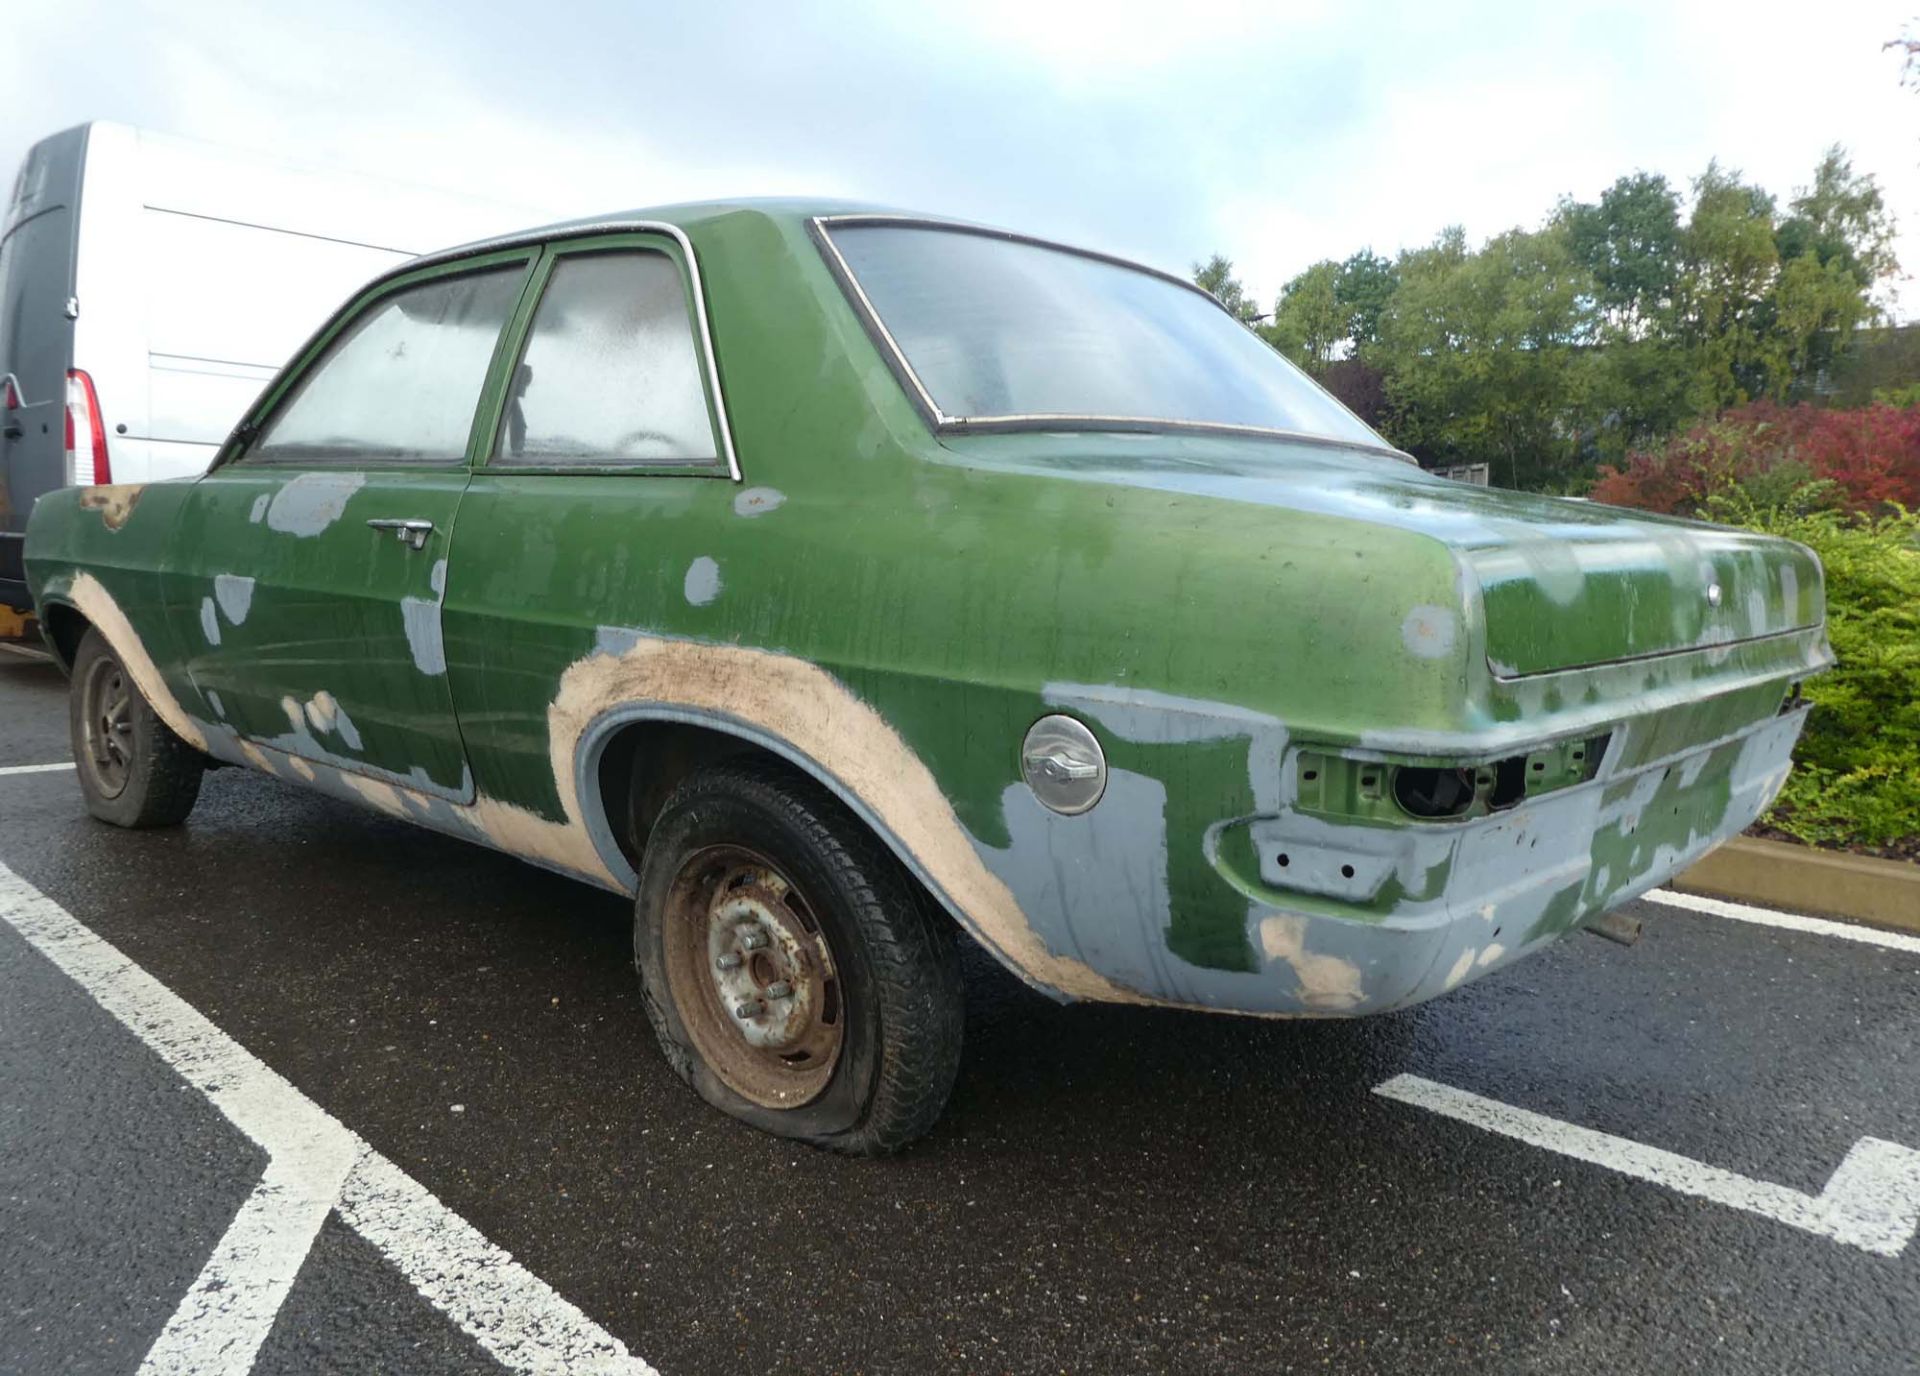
(608,461)
(307,569)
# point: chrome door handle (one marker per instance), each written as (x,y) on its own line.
(410,530)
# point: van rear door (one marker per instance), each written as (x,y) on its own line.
(36,340)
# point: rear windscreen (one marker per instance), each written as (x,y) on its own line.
(1003,330)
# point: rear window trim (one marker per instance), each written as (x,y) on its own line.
(941,423)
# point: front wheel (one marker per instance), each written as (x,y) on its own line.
(795,975)
(134,772)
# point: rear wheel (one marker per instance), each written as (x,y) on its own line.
(134,772)
(794,973)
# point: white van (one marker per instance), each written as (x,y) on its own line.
(149,286)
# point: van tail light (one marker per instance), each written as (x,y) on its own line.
(86,433)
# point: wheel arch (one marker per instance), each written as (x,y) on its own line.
(621,796)
(65,626)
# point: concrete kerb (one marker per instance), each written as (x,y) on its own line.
(1774,874)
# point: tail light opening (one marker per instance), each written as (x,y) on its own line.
(86,433)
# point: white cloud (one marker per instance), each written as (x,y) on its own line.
(1275,134)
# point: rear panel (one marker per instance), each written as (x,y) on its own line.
(36,338)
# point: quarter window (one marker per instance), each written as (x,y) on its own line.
(400,385)
(609,375)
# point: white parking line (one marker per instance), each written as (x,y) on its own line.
(25,653)
(228,1313)
(34,768)
(316,1163)
(1792,922)
(1871,1202)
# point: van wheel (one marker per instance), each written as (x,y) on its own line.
(134,772)
(795,975)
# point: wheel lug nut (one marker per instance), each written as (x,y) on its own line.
(779,989)
(729,961)
(748,1009)
(753,938)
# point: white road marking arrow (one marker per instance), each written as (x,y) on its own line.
(1872,1202)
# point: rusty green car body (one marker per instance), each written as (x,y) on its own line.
(1367,733)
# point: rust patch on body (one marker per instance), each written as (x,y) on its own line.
(114,502)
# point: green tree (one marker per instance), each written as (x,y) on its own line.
(1835,247)
(1622,321)
(1630,241)
(1841,218)
(1487,356)
(1367,283)
(1765,301)
(1723,312)
(1216,276)
(1816,309)
(1309,323)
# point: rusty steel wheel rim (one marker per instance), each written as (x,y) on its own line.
(753,977)
(106,726)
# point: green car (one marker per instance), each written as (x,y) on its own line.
(836,582)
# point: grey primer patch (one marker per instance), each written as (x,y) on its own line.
(344,725)
(311,502)
(703,581)
(331,771)
(614,640)
(1428,632)
(209,621)
(1146,717)
(259,507)
(758,501)
(420,616)
(234,593)
(1095,887)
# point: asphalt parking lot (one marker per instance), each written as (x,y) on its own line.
(1603,1159)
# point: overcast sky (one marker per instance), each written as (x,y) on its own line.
(1274,133)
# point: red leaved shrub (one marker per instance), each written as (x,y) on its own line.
(1871,455)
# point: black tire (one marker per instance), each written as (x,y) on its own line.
(134,772)
(895,972)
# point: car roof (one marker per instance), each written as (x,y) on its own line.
(682,216)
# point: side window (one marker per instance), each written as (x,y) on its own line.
(401,383)
(609,374)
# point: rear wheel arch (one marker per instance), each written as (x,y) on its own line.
(632,759)
(134,771)
(66,626)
